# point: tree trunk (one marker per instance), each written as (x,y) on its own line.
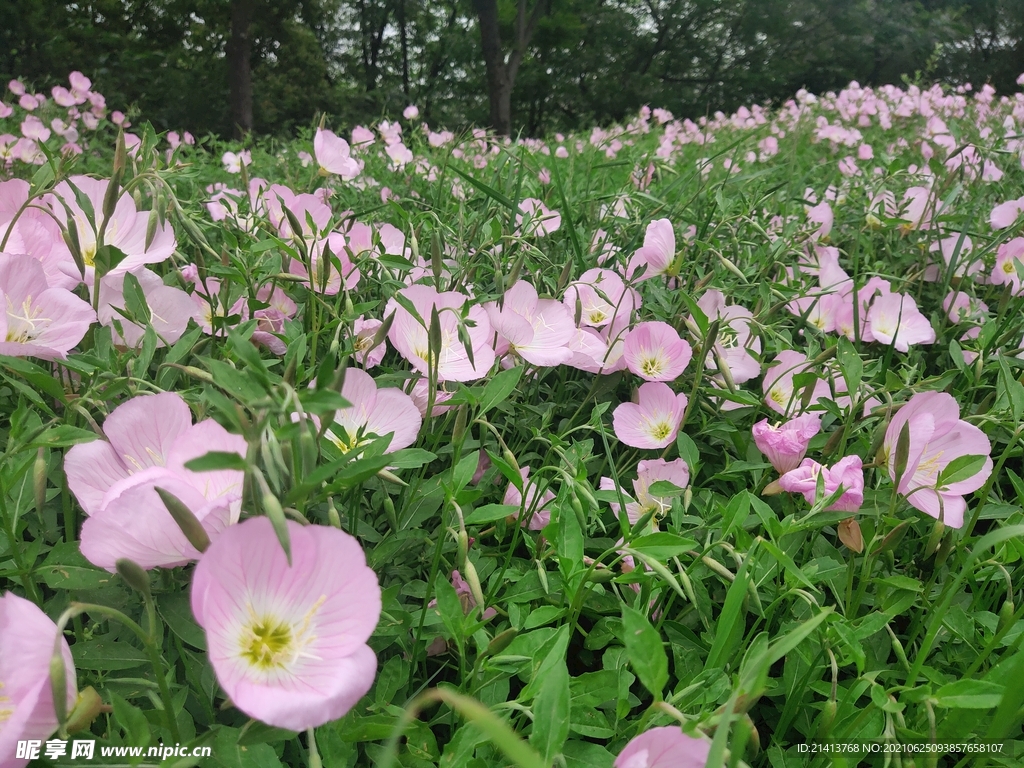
(501,73)
(239,54)
(499,91)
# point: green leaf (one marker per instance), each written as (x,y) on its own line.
(645,650)
(132,720)
(176,611)
(62,436)
(106,655)
(450,607)
(970,694)
(489,513)
(665,489)
(499,388)
(662,545)
(66,568)
(135,300)
(551,713)
(216,460)
(959,469)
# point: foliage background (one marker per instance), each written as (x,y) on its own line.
(589,62)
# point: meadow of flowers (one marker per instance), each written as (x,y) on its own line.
(675,444)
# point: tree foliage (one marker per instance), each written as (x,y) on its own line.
(583,62)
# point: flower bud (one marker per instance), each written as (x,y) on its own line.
(473,580)
(850,535)
(135,577)
(1005,615)
(332,513)
(187,522)
(59,682)
(500,642)
(39,480)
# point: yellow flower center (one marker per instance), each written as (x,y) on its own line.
(268,643)
(660,430)
(652,366)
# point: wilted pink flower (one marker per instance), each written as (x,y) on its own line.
(26,698)
(409,335)
(35,319)
(658,253)
(288,642)
(373,411)
(654,421)
(537,508)
(655,352)
(332,155)
(540,220)
(785,445)
(466,598)
(126,229)
(937,436)
(846,473)
(649,472)
(538,330)
(664,747)
(895,319)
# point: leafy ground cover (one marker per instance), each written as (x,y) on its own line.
(679,443)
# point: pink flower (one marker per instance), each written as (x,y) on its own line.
(937,437)
(26,698)
(654,421)
(270,320)
(895,319)
(655,352)
(1009,264)
(373,412)
(664,747)
(537,506)
(411,112)
(35,319)
(332,155)
(602,298)
(540,220)
(133,522)
(170,308)
(400,155)
(34,233)
(735,344)
(846,473)
(658,253)
(822,215)
(538,330)
(785,445)
(780,393)
(649,472)
(1005,214)
(288,642)
(151,431)
(365,332)
(362,137)
(409,335)
(233,161)
(126,229)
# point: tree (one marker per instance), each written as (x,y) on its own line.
(502,70)
(239,52)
